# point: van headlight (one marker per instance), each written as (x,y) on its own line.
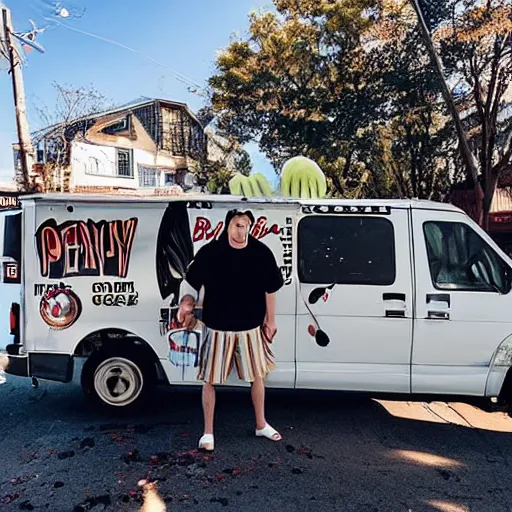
(503,356)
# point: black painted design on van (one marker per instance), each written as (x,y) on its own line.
(174,250)
(321,338)
(344,209)
(286,233)
(318,293)
(121,293)
(199,205)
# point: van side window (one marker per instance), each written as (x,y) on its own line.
(12,237)
(459,259)
(346,250)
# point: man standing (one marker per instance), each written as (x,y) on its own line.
(240,277)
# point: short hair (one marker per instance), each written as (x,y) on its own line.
(239,213)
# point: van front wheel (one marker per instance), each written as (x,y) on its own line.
(120,381)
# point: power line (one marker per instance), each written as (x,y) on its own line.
(192,86)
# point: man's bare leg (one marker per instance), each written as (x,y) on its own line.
(208,407)
(207,441)
(258,402)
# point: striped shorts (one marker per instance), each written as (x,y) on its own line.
(246,350)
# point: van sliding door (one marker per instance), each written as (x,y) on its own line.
(354,324)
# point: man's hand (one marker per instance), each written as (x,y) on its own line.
(269,330)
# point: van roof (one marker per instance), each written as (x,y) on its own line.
(108,198)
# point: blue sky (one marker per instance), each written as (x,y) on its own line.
(184,35)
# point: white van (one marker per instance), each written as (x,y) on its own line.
(379,296)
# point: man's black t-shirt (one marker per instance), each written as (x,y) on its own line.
(235,282)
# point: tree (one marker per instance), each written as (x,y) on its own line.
(320,79)
(301,83)
(414,144)
(71,103)
(243,163)
(72,107)
(216,177)
(475,46)
(225,158)
(205,115)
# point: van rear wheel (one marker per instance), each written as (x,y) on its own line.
(119,381)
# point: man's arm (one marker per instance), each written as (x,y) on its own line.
(274,282)
(269,324)
(270,316)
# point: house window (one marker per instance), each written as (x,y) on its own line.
(148,177)
(346,250)
(124,163)
(459,259)
(118,127)
(170,179)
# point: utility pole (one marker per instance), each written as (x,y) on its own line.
(26,149)
(468,157)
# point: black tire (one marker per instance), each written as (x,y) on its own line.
(120,380)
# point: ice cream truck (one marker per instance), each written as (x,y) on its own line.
(405,296)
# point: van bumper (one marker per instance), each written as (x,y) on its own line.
(16,365)
(47,366)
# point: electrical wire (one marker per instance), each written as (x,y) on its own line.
(177,75)
(192,86)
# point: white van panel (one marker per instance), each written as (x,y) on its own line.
(369,325)
(456,380)
(274,226)
(458,327)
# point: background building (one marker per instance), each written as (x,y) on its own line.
(147,146)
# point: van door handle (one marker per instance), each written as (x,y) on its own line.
(397,301)
(440,304)
(439,315)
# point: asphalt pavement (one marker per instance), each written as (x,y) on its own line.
(339,452)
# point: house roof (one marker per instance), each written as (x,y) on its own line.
(142,101)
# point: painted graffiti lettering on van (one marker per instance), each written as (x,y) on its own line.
(79,248)
(204,230)
(115,294)
(287,243)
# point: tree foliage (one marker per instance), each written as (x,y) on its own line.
(475,43)
(294,84)
(334,81)
(350,84)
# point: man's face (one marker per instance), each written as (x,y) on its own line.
(238,229)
